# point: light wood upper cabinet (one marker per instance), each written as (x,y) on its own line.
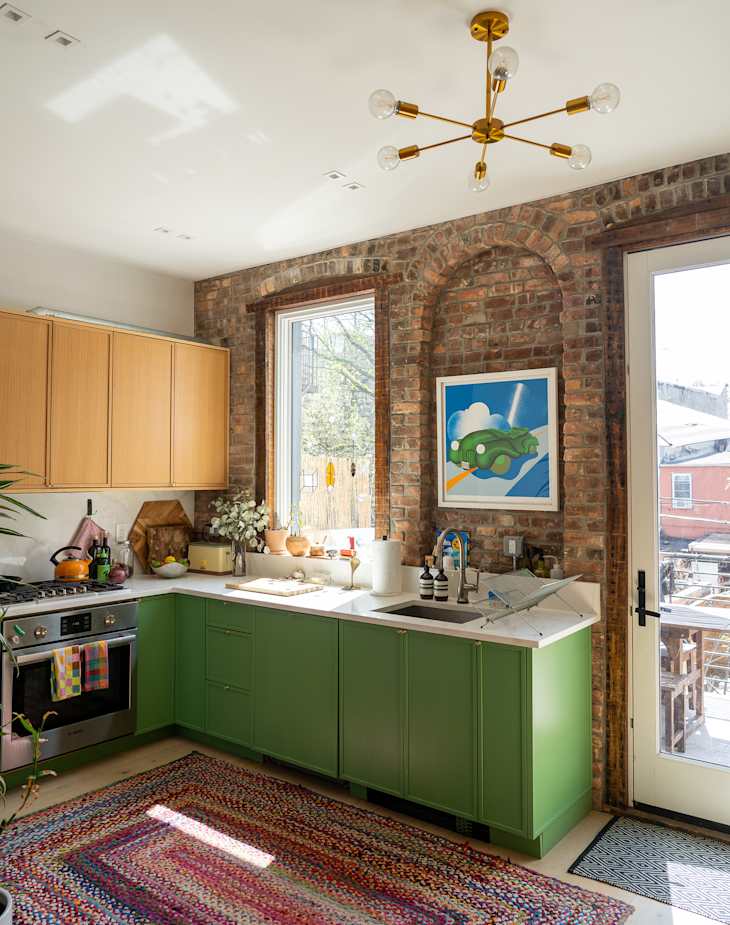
(80,406)
(141,410)
(200,416)
(24,344)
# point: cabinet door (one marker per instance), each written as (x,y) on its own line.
(155,663)
(442,693)
(504,724)
(80,405)
(372,710)
(141,410)
(228,713)
(190,661)
(200,416)
(295,684)
(24,394)
(228,658)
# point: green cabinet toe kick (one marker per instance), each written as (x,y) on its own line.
(485,732)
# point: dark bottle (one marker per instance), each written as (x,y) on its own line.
(103,561)
(441,586)
(425,581)
(92,556)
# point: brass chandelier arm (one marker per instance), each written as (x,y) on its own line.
(572,107)
(449,141)
(488,107)
(556,149)
(526,141)
(430,115)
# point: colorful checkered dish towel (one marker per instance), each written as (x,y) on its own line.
(66,673)
(96,665)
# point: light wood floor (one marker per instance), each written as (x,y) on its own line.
(555,864)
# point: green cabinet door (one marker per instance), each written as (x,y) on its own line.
(190,662)
(442,722)
(155,663)
(372,714)
(228,713)
(505,752)
(295,688)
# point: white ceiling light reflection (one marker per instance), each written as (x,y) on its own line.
(161,75)
(208,836)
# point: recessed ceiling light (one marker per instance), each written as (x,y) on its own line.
(13,14)
(353,184)
(334,175)
(163,230)
(186,237)
(62,38)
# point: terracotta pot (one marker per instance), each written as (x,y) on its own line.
(276,541)
(297,545)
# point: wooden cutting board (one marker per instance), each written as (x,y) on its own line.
(281,587)
(169,540)
(155,514)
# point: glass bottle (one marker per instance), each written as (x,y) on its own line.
(425,581)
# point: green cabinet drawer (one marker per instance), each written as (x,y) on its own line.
(504,748)
(372,713)
(228,713)
(228,657)
(230,616)
(155,663)
(295,680)
(190,661)
(442,722)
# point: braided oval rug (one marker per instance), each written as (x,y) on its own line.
(204,842)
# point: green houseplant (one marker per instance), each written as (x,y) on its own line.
(243,521)
(9,509)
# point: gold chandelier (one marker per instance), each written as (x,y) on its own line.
(502,63)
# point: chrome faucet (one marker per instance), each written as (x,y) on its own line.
(463,588)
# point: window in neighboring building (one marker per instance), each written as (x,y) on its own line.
(325,418)
(681,490)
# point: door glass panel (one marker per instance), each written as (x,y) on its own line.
(32,694)
(692,333)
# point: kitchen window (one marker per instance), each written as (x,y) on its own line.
(325,419)
(681,490)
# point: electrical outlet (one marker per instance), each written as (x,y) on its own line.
(121,531)
(512,545)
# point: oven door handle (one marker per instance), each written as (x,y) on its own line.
(46,656)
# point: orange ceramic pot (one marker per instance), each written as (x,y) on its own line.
(297,545)
(276,541)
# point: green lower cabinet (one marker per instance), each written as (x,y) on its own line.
(372,706)
(155,663)
(295,688)
(442,723)
(190,662)
(228,713)
(504,774)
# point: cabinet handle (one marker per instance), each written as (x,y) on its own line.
(227,632)
(477,644)
(401,632)
(226,687)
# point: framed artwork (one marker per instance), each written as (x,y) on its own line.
(497,439)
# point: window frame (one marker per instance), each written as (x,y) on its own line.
(283,418)
(682,504)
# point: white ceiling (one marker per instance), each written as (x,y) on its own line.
(218,119)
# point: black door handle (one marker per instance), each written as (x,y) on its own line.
(641,609)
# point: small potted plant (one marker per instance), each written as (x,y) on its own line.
(243,521)
(296,542)
(29,790)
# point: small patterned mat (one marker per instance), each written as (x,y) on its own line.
(673,867)
(204,842)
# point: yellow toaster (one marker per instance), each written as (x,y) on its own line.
(210,558)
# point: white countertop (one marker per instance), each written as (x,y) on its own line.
(535,629)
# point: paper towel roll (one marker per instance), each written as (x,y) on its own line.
(386,567)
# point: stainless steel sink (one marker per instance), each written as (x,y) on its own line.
(426,611)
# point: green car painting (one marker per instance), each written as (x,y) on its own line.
(497,440)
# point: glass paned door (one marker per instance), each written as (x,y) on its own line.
(678,332)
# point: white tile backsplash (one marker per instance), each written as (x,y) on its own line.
(29,557)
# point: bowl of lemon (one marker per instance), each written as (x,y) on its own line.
(170,567)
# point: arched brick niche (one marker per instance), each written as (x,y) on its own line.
(498,311)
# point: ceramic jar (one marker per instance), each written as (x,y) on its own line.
(297,545)
(276,541)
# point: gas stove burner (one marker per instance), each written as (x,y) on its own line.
(13,593)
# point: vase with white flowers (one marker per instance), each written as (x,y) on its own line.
(243,521)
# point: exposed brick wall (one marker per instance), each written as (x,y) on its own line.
(430,263)
(499,311)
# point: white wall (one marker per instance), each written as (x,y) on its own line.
(34,272)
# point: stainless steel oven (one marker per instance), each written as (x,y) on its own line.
(92,716)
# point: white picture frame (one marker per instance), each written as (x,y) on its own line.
(471,470)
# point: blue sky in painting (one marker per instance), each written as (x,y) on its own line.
(531,411)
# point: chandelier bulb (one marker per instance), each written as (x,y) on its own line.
(388,157)
(382,104)
(479,178)
(605,98)
(503,63)
(580,157)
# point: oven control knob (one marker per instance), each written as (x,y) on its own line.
(109,620)
(15,640)
(40,632)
